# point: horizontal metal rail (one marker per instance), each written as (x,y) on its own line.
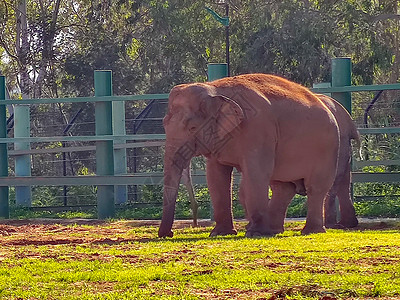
(367,163)
(379,130)
(357,88)
(390,177)
(136,179)
(375,198)
(360,88)
(142,137)
(87,99)
(85,148)
(86,138)
(154,179)
(56,209)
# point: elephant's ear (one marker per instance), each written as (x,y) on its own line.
(229,116)
(221,116)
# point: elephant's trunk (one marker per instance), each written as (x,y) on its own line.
(174,163)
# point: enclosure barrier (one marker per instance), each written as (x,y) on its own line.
(106,140)
(341,89)
(104,149)
(4,208)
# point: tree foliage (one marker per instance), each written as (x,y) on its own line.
(50,48)
(152,45)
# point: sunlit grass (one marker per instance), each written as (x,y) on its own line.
(132,263)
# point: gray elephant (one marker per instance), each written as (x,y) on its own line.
(268,128)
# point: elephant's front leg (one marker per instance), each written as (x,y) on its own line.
(254,190)
(219,181)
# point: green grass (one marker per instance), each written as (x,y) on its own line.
(118,260)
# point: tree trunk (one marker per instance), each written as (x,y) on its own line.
(48,43)
(22,47)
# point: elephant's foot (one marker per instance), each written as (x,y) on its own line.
(330,221)
(274,231)
(349,223)
(220,231)
(276,227)
(313,229)
(255,233)
(167,233)
(334,226)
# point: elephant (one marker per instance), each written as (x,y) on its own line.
(269,128)
(282,193)
(341,186)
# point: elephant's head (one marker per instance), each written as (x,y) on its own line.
(199,121)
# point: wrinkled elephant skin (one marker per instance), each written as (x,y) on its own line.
(282,193)
(341,185)
(268,128)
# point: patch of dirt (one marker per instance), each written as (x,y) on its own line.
(377,224)
(45,221)
(233,293)
(39,232)
(270,294)
(55,232)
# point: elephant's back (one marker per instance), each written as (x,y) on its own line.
(348,129)
(272,87)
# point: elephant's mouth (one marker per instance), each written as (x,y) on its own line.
(201,148)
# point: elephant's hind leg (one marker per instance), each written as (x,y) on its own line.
(282,195)
(315,208)
(330,211)
(348,217)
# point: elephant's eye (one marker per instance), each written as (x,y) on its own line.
(186,122)
(192,123)
(166,119)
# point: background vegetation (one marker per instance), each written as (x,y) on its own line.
(50,48)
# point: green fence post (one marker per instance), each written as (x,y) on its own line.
(341,76)
(22,128)
(217,71)
(104,149)
(4,204)
(120,164)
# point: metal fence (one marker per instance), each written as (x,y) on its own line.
(111,144)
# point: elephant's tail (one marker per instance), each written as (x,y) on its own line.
(355,135)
